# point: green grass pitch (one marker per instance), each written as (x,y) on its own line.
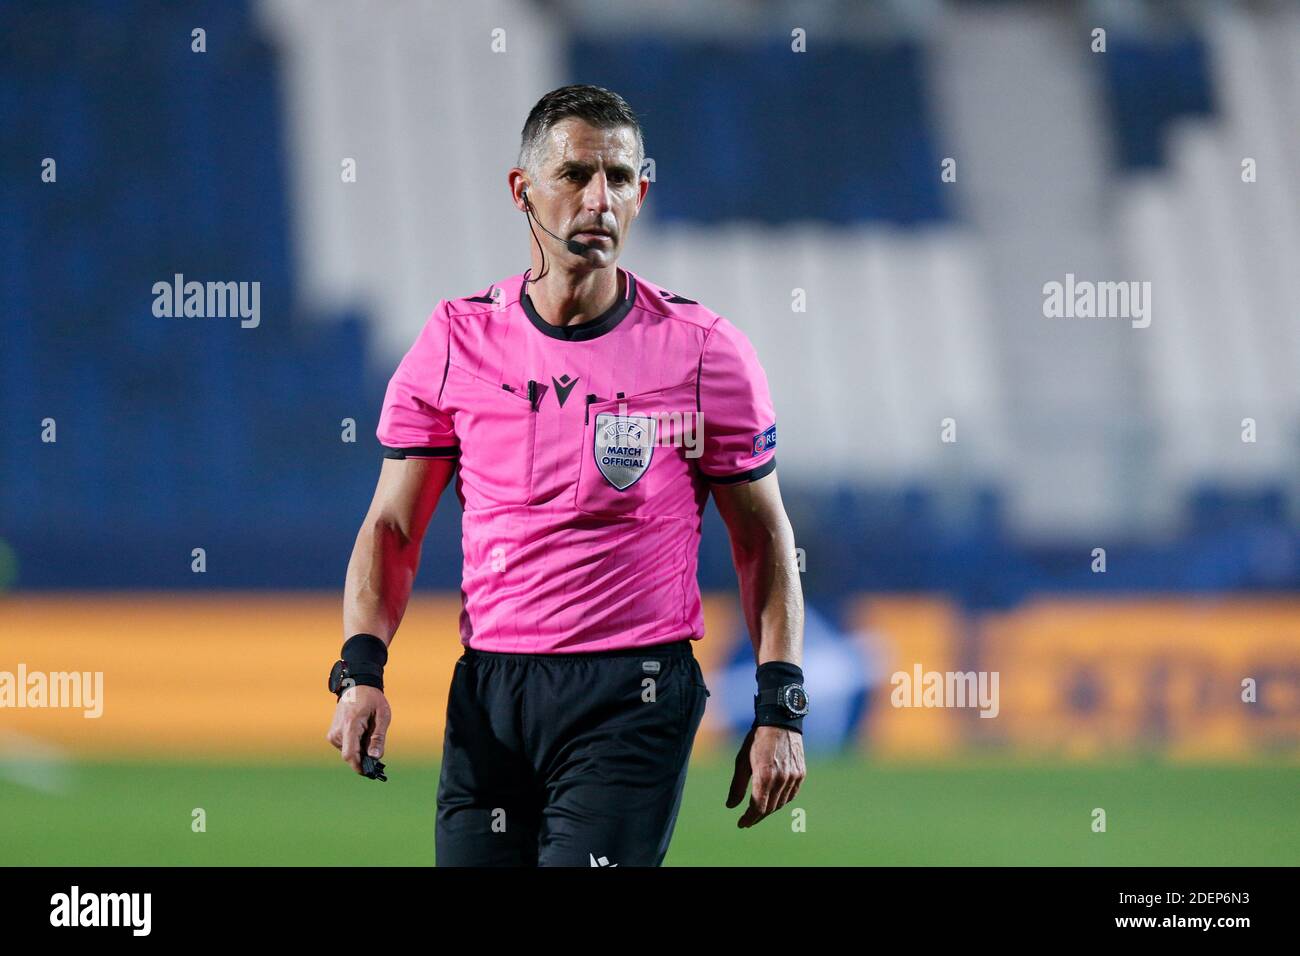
(855,813)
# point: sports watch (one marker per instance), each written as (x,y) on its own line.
(343,676)
(361,663)
(781,700)
(790,699)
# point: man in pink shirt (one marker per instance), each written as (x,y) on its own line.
(587,414)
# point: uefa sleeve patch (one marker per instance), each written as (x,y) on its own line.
(764,440)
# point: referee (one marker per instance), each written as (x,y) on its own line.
(586,414)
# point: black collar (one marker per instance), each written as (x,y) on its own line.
(605,322)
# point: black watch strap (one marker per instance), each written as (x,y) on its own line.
(361,664)
(780,683)
(342,676)
(777,716)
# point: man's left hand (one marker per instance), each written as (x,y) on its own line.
(773,757)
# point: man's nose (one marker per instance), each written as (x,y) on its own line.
(597,196)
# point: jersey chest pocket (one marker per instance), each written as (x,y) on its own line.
(630,452)
(497,426)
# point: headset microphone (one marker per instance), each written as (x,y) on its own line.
(573,245)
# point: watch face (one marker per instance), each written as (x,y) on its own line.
(796,701)
(336,676)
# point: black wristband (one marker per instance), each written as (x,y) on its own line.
(770,677)
(361,663)
(359,679)
(361,649)
(778,674)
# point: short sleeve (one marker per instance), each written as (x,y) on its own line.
(736,415)
(411,425)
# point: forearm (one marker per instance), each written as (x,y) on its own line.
(381,574)
(770,593)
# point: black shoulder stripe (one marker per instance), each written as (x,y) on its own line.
(445,451)
(479,298)
(752,475)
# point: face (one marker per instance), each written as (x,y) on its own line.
(587,188)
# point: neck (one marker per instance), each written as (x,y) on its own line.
(567,297)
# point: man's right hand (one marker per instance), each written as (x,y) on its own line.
(362,714)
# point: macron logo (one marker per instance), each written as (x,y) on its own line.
(102,909)
(603,861)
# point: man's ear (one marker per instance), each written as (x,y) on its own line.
(518,175)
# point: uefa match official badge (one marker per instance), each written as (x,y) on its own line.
(623,446)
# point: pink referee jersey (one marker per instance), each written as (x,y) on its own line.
(585,454)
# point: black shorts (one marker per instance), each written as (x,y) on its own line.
(567,759)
